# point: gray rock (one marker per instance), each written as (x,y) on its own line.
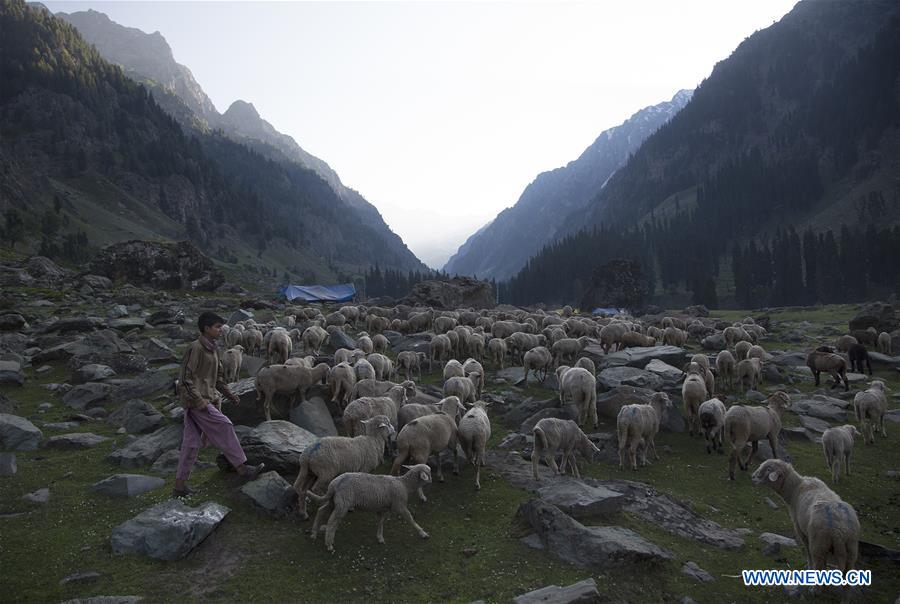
(770,503)
(883,359)
(106,600)
(145,450)
(44,370)
(609,403)
(117,312)
(527,408)
(156,350)
(893,415)
(166,315)
(583,501)
(790,359)
(772,550)
(278,444)
(692,570)
(668,373)
(11,373)
(272,493)
(814,424)
(75,440)
(779,539)
(104,343)
(18,434)
(313,415)
(137,417)
(714,341)
(339,339)
(12,321)
(167,463)
(80,577)
(822,407)
(239,315)
(583,592)
(879,315)
(167,531)
(8,464)
(85,396)
(146,384)
(39,496)
(514,440)
(249,412)
(127,485)
(754,396)
(615,377)
(639,356)
(92,373)
(76,324)
(127,323)
(417,342)
(588,547)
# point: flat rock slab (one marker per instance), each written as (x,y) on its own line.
(137,417)
(822,407)
(145,450)
(615,377)
(75,440)
(8,465)
(106,600)
(127,323)
(39,496)
(814,424)
(692,570)
(18,434)
(579,500)
(595,547)
(641,355)
(272,493)
(770,538)
(11,373)
(313,415)
(664,370)
(583,592)
(278,444)
(85,396)
(61,426)
(168,531)
(92,372)
(127,485)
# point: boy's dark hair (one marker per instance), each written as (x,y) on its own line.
(208,319)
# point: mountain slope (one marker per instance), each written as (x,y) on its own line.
(503,247)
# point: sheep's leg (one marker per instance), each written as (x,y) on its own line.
(455,456)
(847,464)
(622,448)
(268,406)
(816,376)
(323,511)
(653,446)
(551,461)
(632,453)
(881,421)
(774,445)
(574,465)
(409,518)
(382,516)
(331,528)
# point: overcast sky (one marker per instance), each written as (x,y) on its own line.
(441,113)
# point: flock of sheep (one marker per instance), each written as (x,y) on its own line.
(380,420)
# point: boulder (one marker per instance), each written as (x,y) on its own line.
(167,463)
(18,434)
(158,265)
(74,324)
(39,496)
(583,592)
(92,372)
(671,375)
(822,407)
(249,412)
(12,321)
(103,343)
(166,316)
(814,424)
(273,494)
(879,315)
(146,384)
(715,341)
(127,323)
(595,547)
(769,538)
(527,408)
(145,450)
(339,339)
(239,315)
(615,377)
(167,531)
(639,356)
(45,269)
(96,282)
(451,294)
(883,359)
(567,412)
(313,415)
(137,417)
(157,351)
(75,440)
(278,444)
(609,403)
(85,396)
(692,570)
(11,373)
(127,485)
(580,500)
(417,342)
(697,310)
(8,464)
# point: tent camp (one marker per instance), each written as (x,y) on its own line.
(320,293)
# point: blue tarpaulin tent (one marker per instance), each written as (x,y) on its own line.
(320,293)
(606,312)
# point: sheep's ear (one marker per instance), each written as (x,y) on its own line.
(424,476)
(774,476)
(407,467)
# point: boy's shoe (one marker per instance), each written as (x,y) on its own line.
(182,493)
(253,472)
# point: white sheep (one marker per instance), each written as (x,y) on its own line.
(539,360)
(844,343)
(472,367)
(870,406)
(673,336)
(742,349)
(823,522)
(367,407)
(884,343)
(384,367)
(837,443)
(279,348)
(551,435)
(372,493)
(364,343)
(725,365)
(331,456)
(474,432)
(745,424)
(342,379)
(466,388)
(693,392)
(234,338)
(749,370)
(345,355)
(364,370)
(475,346)
(497,349)
(373,387)
(381,343)
(411,411)
(712,424)
(580,386)
(453,368)
(231,363)
(252,340)
(293,380)
(314,337)
(411,363)
(638,425)
(566,349)
(440,348)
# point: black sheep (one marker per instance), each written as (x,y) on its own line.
(858,354)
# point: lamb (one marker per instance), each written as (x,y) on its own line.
(367,407)
(286,379)
(441,348)
(537,359)
(742,349)
(566,349)
(475,346)
(443,324)
(858,355)
(430,434)
(823,522)
(756,352)
(821,360)
(364,343)
(870,406)
(234,338)
(371,493)
(656,333)
(701,359)
(342,379)
(466,388)
(551,435)
(745,424)
(454,341)
(474,432)
(586,363)
(712,424)
(336,319)
(837,443)
(844,343)
(380,343)
(411,411)
(497,349)
(345,355)
(637,425)
(231,363)
(351,313)
(580,386)
(420,321)
(519,343)
(331,456)
(693,392)
(313,338)
(373,387)
(725,365)
(735,334)
(383,366)
(279,348)
(410,362)
(364,370)
(453,368)
(252,340)
(749,370)
(473,367)
(884,343)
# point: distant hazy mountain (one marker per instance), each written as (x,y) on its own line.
(502,247)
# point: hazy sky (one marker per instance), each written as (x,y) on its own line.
(440,113)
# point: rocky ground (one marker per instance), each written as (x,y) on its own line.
(89,433)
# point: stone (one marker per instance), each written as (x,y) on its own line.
(822,407)
(146,384)
(106,600)
(239,315)
(98,282)
(772,550)
(639,356)
(127,485)
(80,577)
(145,450)
(167,531)
(417,342)
(595,547)
(8,465)
(278,444)
(117,312)
(249,412)
(167,316)
(75,440)
(514,441)
(615,377)
(159,265)
(12,321)
(879,315)
(127,323)
(39,496)
(527,408)
(668,373)
(137,417)
(814,424)
(768,501)
(85,396)
(156,350)
(790,359)
(272,493)
(74,324)
(451,294)
(44,370)
(339,339)
(883,359)
(580,500)
(11,373)
(779,539)
(313,415)
(714,341)
(692,570)
(18,434)
(92,373)
(583,592)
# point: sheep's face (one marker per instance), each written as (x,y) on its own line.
(854,431)
(771,473)
(587,448)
